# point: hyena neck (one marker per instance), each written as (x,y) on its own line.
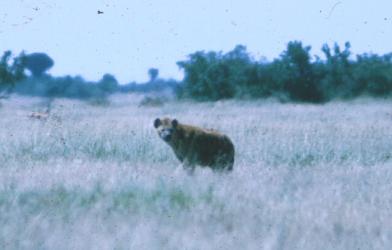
(179,138)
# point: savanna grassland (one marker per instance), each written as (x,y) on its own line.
(98,177)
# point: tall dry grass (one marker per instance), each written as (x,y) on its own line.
(98,177)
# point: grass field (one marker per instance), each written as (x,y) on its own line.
(98,177)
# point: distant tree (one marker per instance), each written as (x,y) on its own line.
(338,80)
(153,73)
(108,84)
(5,72)
(18,67)
(300,83)
(38,63)
(11,73)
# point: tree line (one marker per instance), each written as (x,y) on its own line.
(14,79)
(295,75)
(26,74)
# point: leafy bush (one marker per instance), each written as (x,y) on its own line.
(373,75)
(213,76)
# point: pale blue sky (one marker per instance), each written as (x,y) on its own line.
(132,36)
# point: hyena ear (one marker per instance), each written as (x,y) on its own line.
(174,123)
(157,123)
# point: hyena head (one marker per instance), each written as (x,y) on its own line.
(166,128)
